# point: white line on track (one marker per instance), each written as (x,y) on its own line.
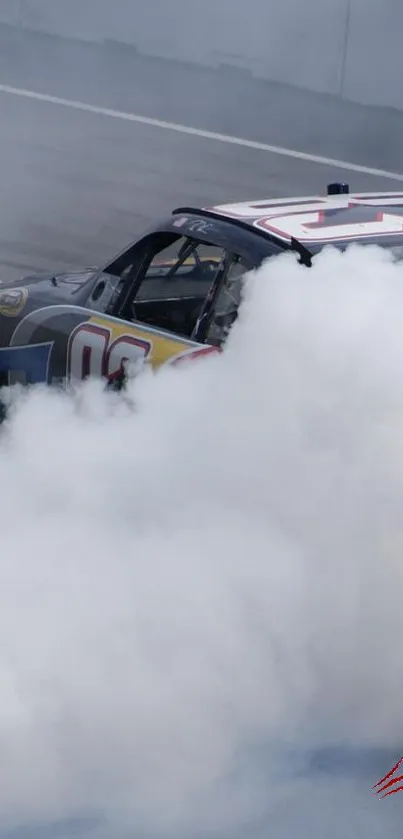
(198,132)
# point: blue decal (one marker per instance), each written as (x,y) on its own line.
(32,361)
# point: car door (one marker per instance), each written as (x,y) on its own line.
(165,283)
(155,303)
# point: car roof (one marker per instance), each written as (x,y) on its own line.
(321,219)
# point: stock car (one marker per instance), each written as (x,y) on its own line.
(174,293)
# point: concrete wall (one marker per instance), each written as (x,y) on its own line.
(9,12)
(300,42)
(374,62)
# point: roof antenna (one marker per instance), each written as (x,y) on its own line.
(338,189)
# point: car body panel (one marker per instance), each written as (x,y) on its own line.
(55,328)
(59,343)
(322,219)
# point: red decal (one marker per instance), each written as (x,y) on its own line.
(381,786)
(86,351)
(193,354)
(125,349)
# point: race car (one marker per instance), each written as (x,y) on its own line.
(174,293)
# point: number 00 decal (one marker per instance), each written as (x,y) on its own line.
(92,351)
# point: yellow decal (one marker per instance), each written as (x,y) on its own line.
(162,347)
(102,346)
(12,301)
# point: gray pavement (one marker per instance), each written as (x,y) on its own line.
(76,186)
(226,100)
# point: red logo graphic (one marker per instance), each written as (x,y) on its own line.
(388,781)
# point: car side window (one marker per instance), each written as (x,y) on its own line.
(123,273)
(227,302)
(111,280)
(175,284)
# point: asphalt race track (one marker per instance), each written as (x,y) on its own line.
(77,185)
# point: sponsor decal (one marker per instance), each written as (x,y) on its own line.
(390,783)
(180,222)
(12,301)
(94,350)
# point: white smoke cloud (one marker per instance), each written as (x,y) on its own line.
(200,599)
